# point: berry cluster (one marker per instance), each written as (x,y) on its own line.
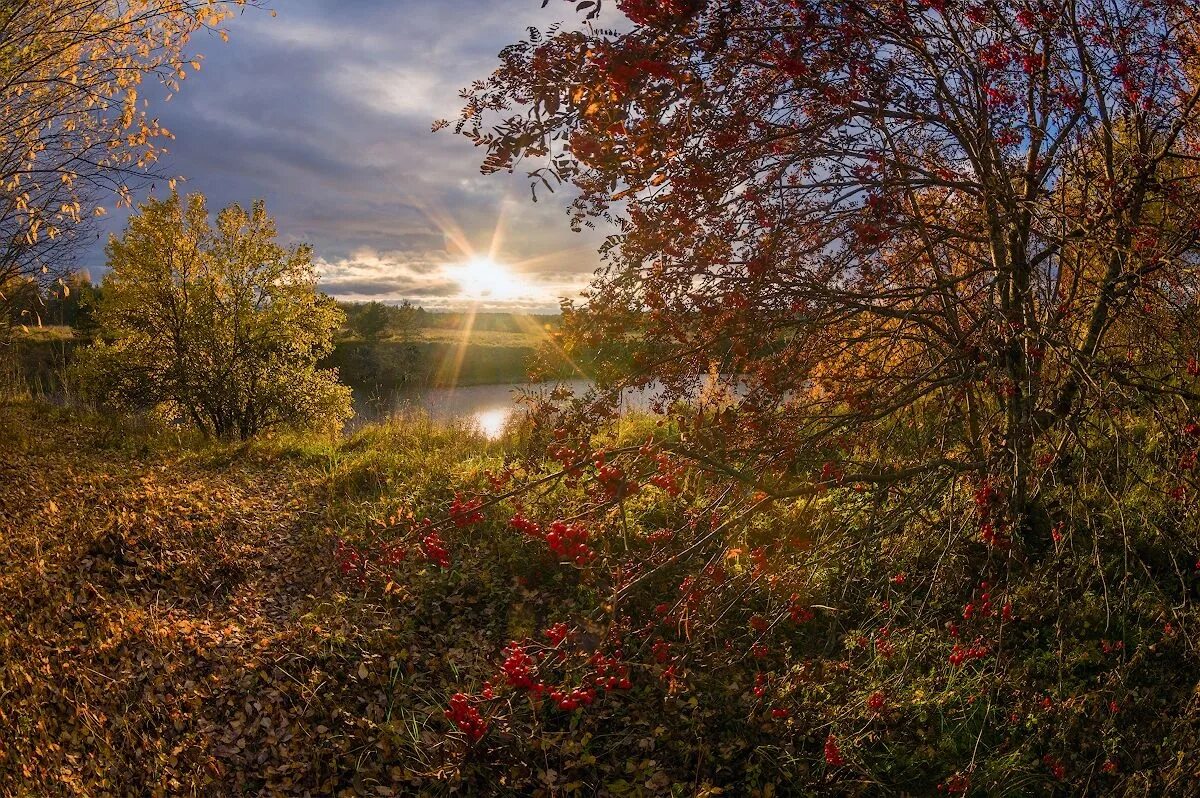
(798,612)
(435,550)
(466,513)
(981,610)
(519,668)
(666,476)
(568,456)
(568,541)
(466,717)
(1057,768)
(520,671)
(760,685)
(991,530)
(962,654)
(833,754)
(612,478)
(393,553)
(349,558)
(610,672)
(569,701)
(557,633)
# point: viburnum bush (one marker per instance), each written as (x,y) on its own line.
(835,635)
(915,284)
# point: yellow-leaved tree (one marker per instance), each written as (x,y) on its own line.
(217,327)
(73,127)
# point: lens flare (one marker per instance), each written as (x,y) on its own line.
(484,280)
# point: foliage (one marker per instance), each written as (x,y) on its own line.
(916,511)
(219,328)
(380,369)
(926,240)
(374,321)
(918,283)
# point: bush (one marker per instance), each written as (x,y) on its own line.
(220,329)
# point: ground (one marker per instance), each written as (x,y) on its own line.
(170,624)
(179,617)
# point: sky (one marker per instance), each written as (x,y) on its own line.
(324,111)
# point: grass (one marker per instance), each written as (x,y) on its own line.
(177,616)
(47,332)
(485,338)
(174,620)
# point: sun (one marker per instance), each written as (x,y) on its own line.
(485,279)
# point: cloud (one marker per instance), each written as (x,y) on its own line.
(436,280)
(389,287)
(325,113)
(401,273)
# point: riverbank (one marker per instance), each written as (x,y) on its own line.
(178,616)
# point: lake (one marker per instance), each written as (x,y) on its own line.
(488,407)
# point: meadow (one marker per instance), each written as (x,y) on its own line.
(179,617)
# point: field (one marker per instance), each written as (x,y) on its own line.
(48,332)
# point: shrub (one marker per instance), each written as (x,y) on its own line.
(218,328)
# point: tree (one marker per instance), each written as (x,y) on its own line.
(945,253)
(217,327)
(72,124)
(387,358)
(371,321)
(932,240)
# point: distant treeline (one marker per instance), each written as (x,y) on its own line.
(387,347)
(381,348)
(366,318)
(72,302)
(385,366)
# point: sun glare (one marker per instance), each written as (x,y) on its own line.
(484,279)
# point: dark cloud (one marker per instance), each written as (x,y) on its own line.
(325,112)
(390,287)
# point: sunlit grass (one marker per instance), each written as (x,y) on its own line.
(47,332)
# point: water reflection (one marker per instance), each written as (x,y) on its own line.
(491,422)
(487,407)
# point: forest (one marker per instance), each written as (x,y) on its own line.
(914,509)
